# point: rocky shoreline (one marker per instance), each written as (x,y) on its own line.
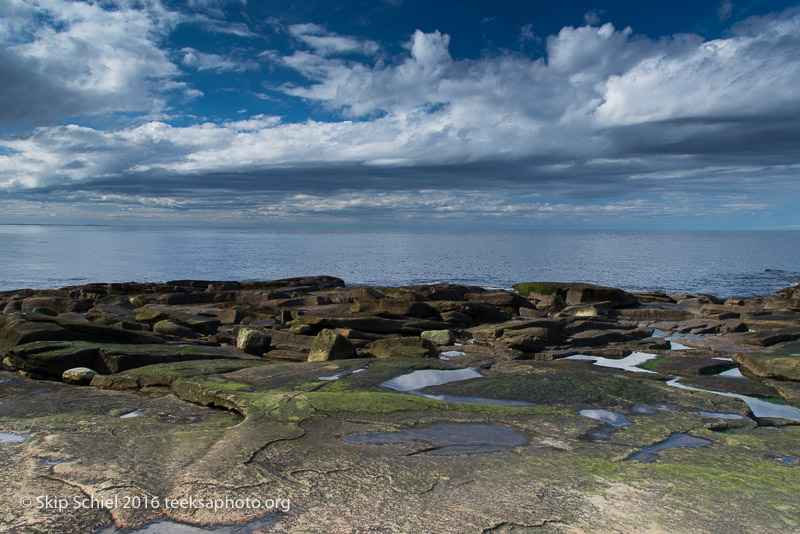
(563,407)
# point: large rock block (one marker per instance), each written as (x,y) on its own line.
(780,366)
(330,345)
(439,337)
(789,292)
(252,341)
(171,328)
(52,358)
(577,293)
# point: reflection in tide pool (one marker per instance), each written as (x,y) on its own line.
(648,455)
(429,377)
(628,363)
(759,407)
(417,380)
(174,527)
(8,437)
(606,416)
(732,373)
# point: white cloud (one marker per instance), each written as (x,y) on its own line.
(202,61)
(328,43)
(87,58)
(605,112)
(732,78)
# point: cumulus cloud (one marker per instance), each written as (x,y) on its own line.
(605,115)
(84,58)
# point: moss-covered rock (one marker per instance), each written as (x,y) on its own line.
(403,347)
(330,345)
(439,337)
(172,328)
(252,341)
(79,376)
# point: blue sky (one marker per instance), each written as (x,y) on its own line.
(401,113)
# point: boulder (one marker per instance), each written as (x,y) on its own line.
(779,366)
(52,358)
(593,338)
(252,341)
(551,304)
(19,329)
(655,313)
(598,309)
(393,306)
(478,312)
(283,340)
(202,324)
(770,337)
(540,290)
(792,292)
(498,298)
(57,304)
(577,293)
(171,328)
(330,345)
(403,347)
(78,376)
(587,293)
(439,337)
(362,322)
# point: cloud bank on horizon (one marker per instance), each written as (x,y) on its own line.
(214,111)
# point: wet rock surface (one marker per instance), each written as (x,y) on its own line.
(333,400)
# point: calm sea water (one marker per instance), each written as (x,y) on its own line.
(727,264)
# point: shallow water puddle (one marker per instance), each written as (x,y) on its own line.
(628,363)
(719,415)
(675,345)
(732,373)
(642,409)
(612,418)
(135,413)
(423,378)
(450,438)
(415,381)
(788,459)
(759,407)
(450,354)
(174,527)
(48,461)
(648,455)
(337,376)
(10,437)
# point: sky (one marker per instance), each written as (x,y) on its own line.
(401,113)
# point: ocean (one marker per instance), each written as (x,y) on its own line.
(722,263)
